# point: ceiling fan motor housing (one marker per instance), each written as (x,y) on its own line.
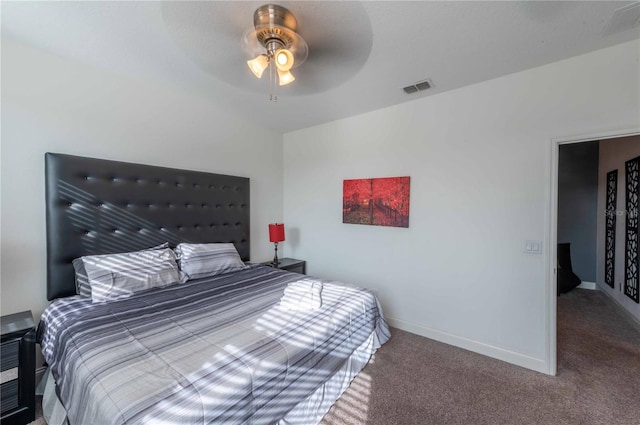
(275,27)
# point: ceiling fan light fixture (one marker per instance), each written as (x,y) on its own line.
(285,77)
(274,40)
(258,64)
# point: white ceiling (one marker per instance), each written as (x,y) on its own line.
(361,54)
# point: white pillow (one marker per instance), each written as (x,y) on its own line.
(202,260)
(118,276)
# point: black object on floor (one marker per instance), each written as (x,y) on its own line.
(566,278)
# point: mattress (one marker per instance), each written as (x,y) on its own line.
(214,350)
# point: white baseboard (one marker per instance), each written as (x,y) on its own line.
(588,285)
(499,353)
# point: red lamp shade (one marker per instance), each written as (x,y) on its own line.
(276,232)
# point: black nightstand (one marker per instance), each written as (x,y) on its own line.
(18,366)
(290,264)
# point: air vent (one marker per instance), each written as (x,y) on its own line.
(623,19)
(419,86)
(410,89)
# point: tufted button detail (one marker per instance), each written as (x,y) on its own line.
(85,177)
(179,227)
(218,205)
(197,226)
(188,205)
(138,180)
(236,188)
(204,205)
(225,224)
(212,187)
(232,205)
(170,205)
(196,186)
(242,205)
(212,226)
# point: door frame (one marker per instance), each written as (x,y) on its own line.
(552,234)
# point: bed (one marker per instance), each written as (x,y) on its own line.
(217,349)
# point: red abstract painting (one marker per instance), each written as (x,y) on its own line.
(381,202)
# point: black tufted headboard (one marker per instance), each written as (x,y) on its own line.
(96,206)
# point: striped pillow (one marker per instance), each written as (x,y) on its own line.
(118,276)
(202,260)
(82,280)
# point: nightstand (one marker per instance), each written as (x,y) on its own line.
(290,264)
(18,369)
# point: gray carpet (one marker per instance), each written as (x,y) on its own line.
(414,380)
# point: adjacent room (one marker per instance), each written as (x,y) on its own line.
(310,212)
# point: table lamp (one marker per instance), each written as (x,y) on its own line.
(276,234)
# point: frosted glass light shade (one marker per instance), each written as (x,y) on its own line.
(258,64)
(284,59)
(285,77)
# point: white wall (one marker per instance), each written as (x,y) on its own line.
(479,161)
(613,155)
(52,104)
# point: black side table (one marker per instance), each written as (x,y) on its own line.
(18,369)
(290,264)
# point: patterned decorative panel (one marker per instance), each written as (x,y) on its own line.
(610,228)
(631,283)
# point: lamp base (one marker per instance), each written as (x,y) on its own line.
(275,261)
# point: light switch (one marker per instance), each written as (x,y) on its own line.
(532,247)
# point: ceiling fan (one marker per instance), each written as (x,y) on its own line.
(274,43)
(332,39)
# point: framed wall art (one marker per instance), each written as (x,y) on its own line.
(631,264)
(377,201)
(610,228)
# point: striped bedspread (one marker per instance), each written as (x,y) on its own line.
(214,350)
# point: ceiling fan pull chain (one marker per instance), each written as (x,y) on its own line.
(272,82)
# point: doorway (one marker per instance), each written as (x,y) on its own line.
(552,237)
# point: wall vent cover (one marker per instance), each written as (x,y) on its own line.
(623,19)
(419,86)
